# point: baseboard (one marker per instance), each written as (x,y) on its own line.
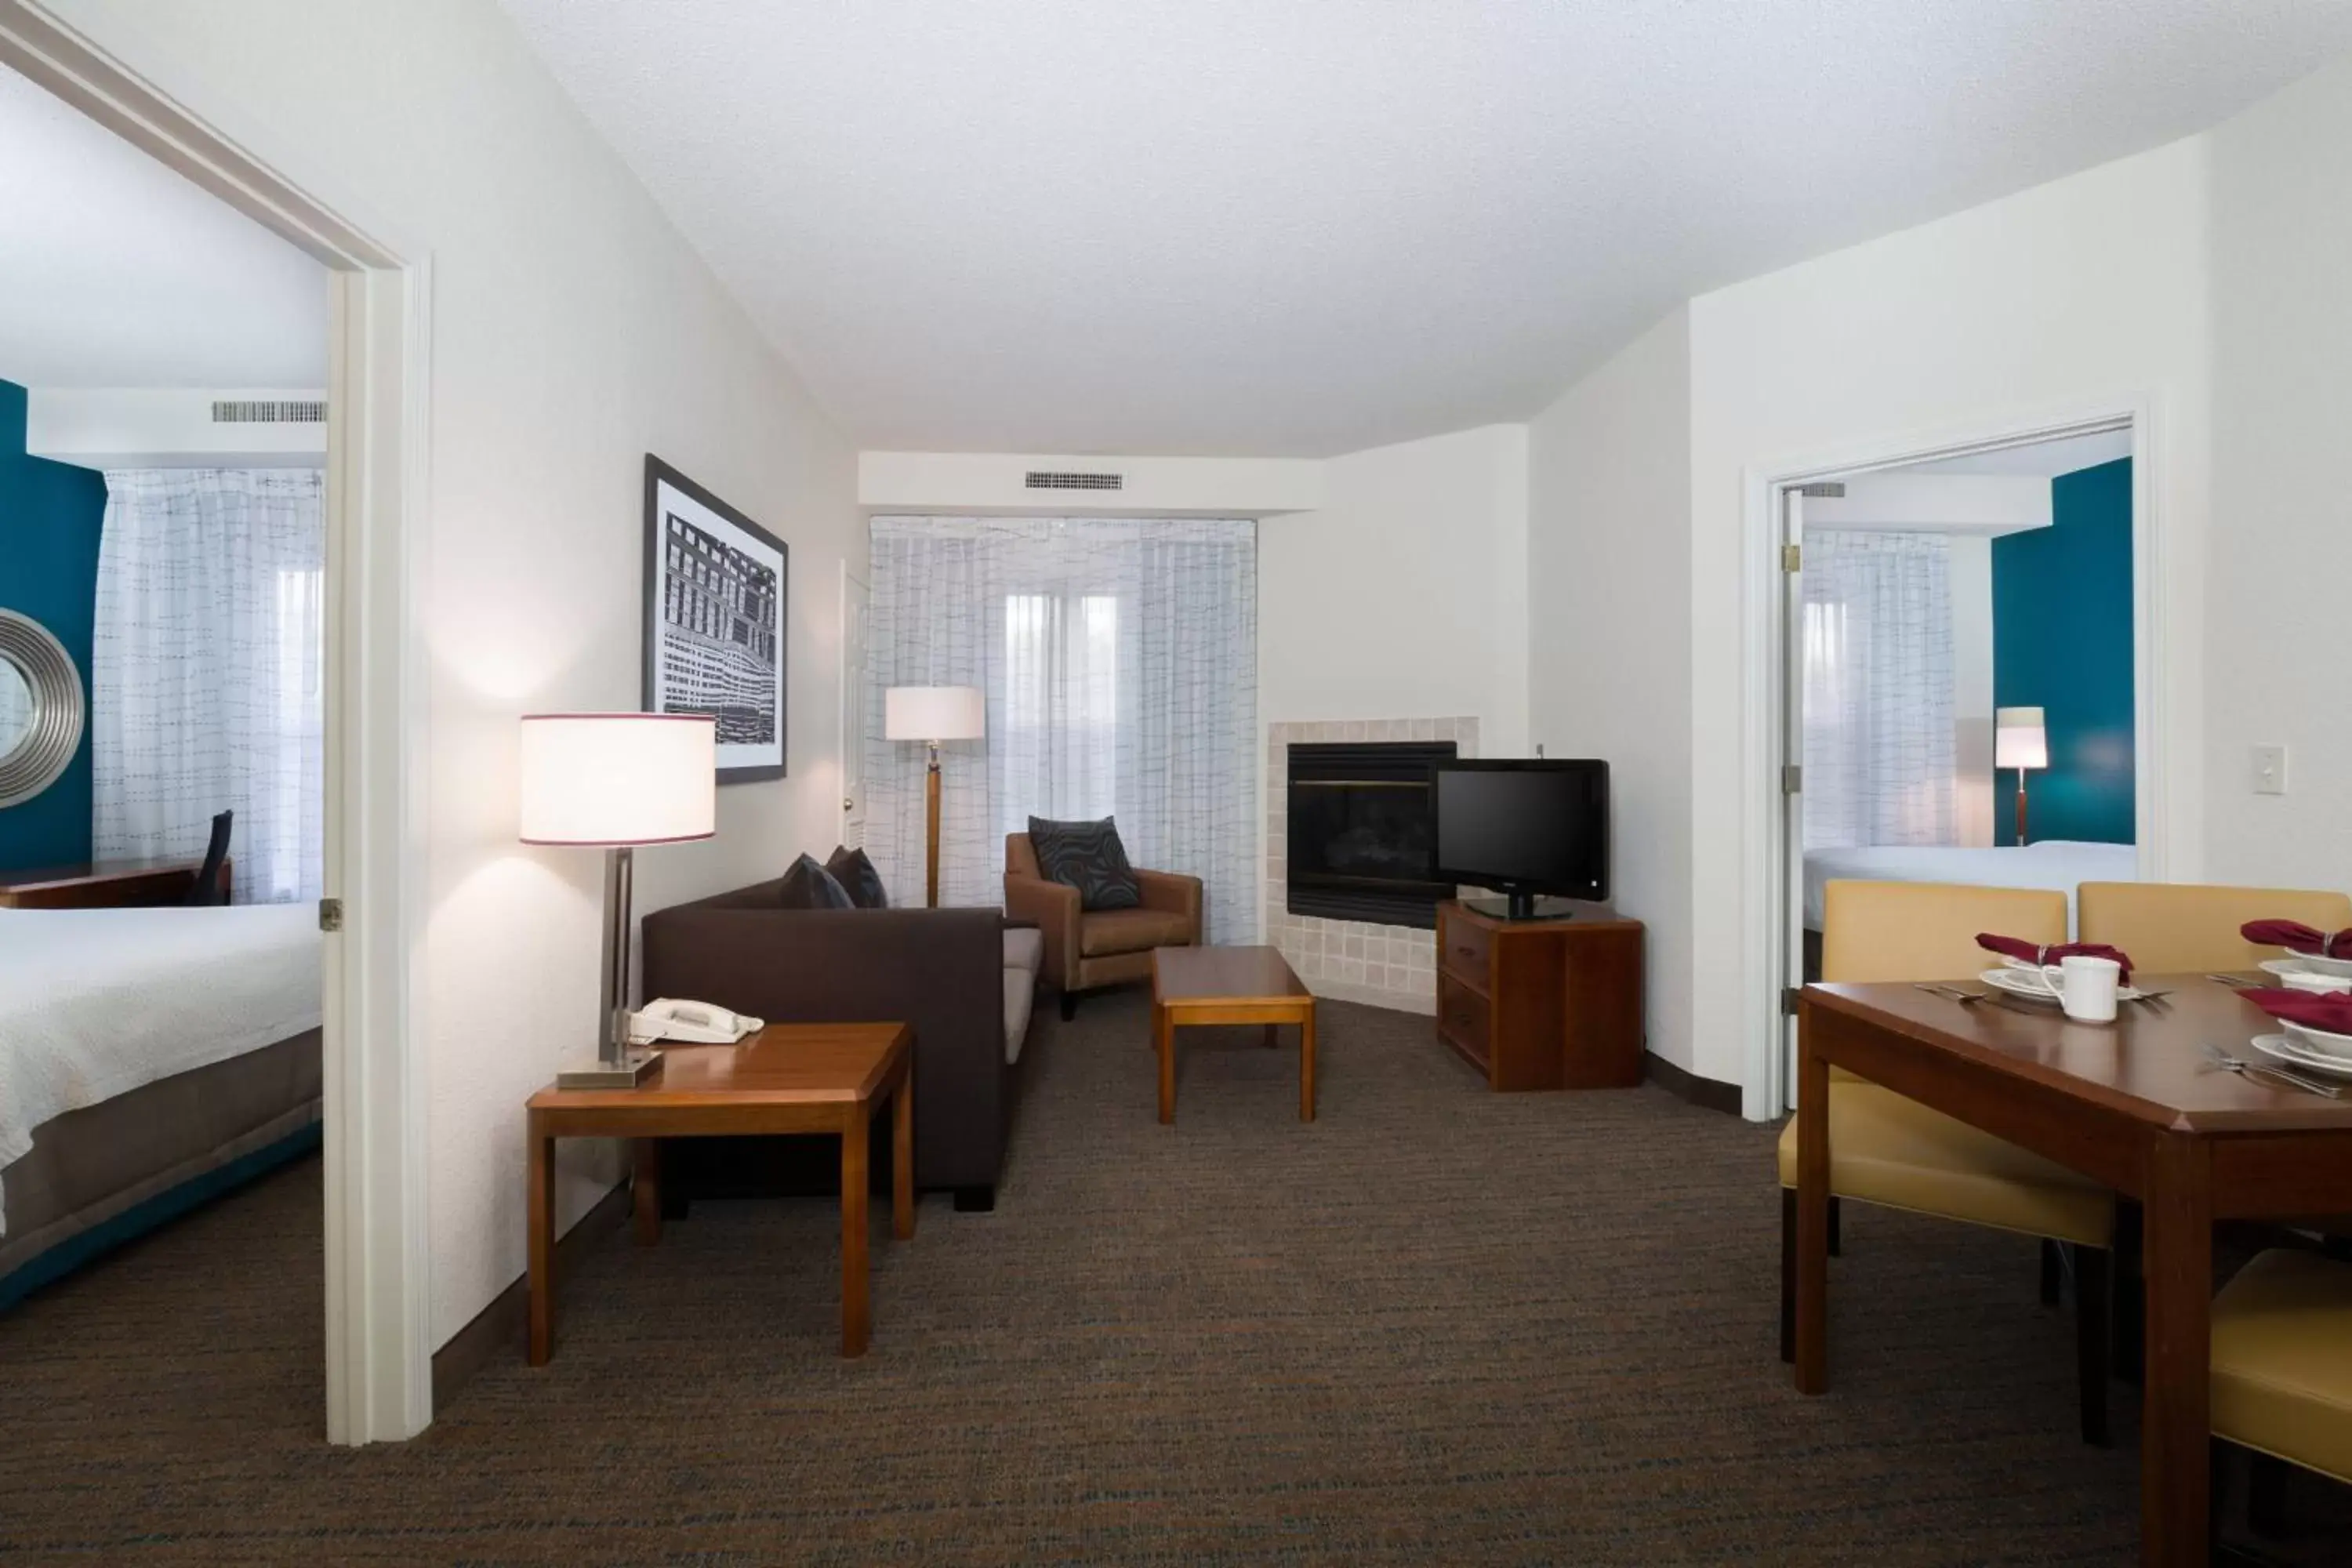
(500,1326)
(1711,1094)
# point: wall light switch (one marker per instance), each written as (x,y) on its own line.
(2270,770)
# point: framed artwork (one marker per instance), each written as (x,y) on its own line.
(714,633)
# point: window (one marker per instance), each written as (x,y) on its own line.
(1061,702)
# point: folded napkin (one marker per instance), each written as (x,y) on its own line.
(2034,953)
(2298,937)
(2330,1013)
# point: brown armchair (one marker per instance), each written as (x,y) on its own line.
(1088,950)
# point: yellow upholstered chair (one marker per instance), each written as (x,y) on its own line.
(2282,1379)
(2177,928)
(1886,1150)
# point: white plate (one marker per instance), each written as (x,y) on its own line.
(2290,1051)
(2320,1040)
(2015,984)
(2299,976)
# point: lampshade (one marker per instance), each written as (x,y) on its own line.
(618,778)
(934,713)
(2018,739)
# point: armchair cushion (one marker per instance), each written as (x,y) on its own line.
(1133,931)
(1087,855)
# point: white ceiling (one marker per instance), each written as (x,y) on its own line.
(2041,459)
(1263,229)
(115,271)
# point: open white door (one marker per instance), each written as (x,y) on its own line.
(1793,777)
(853,603)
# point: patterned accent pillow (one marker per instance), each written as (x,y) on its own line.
(858,878)
(1087,855)
(809,886)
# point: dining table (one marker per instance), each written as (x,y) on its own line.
(2138,1105)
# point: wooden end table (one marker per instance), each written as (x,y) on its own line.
(1228,985)
(788,1077)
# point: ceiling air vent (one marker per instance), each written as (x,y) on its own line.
(1038,481)
(310,411)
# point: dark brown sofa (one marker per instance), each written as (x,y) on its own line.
(943,970)
(1088,950)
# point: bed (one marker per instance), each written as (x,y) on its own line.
(2058,865)
(149,1059)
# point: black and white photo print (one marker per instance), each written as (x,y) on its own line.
(715,586)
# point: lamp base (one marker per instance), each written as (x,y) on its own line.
(634,1069)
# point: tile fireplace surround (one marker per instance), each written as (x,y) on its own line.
(1385,965)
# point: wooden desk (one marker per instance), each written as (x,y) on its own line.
(788,1077)
(104,885)
(2127,1104)
(1228,985)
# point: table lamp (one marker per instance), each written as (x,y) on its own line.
(2019,740)
(616,781)
(932,714)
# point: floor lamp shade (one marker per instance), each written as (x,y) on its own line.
(2019,740)
(934,713)
(613,781)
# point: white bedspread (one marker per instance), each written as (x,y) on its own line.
(2057,865)
(95,1003)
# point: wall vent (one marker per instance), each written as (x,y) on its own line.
(308,411)
(1039,480)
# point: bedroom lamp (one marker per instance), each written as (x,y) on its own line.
(932,714)
(2019,740)
(614,781)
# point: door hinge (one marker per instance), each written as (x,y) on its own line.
(330,914)
(1792,778)
(1792,558)
(1789,1000)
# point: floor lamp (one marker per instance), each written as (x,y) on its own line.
(2019,740)
(932,714)
(613,781)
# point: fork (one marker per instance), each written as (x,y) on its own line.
(2233,982)
(1954,991)
(2216,1056)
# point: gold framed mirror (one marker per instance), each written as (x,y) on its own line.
(42,709)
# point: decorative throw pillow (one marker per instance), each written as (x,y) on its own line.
(809,886)
(1087,855)
(858,878)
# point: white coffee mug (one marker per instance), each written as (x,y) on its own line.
(2085,987)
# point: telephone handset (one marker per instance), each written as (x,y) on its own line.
(690,1023)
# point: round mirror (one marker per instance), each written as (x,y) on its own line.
(40,707)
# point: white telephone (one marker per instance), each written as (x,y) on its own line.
(690,1023)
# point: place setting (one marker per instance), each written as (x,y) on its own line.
(2313,1005)
(2086,980)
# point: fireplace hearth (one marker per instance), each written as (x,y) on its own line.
(1360,831)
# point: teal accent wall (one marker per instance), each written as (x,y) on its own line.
(50,514)
(2061,641)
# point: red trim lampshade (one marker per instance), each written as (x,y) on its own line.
(609,779)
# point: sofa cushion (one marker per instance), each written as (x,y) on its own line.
(1024,949)
(1132,931)
(858,878)
(1020,996)
(809,886)
(1087,855)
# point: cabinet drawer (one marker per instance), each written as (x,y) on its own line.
(1461,1020)
(1461,950)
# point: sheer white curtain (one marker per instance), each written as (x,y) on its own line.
(1119,660)
(206,674)
(1880,754)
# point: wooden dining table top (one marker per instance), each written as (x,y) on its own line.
(2150,1063)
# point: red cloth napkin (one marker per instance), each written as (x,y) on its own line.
(2034,953)
(2331,1012)
(2298,937)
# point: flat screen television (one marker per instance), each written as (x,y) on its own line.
(1523,828)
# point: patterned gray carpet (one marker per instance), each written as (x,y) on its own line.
(1435,1326)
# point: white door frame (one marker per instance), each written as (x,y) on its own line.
(1764,732)
(857,591)
(379,1364)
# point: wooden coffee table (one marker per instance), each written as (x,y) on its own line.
(788,1077)
(1228,985)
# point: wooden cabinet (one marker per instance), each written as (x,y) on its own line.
(1541,1004)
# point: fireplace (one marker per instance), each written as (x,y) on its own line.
(1360,831)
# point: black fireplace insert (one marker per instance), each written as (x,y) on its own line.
(1361,833)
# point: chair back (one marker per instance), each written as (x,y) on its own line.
(1928,931)
(1021,856)
(2181,928)
(206,889)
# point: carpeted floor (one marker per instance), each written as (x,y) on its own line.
(1435,1326)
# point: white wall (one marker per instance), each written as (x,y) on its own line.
(153,427)
(984,482)
(2276,577)
(574,330)
(1609,560)
(1971,569)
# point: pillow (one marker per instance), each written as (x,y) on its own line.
(858,878)
(1087,855)
(809,886)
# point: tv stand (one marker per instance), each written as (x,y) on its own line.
(1516,906)
(1541,1002)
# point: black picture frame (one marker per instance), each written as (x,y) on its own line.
(717,615)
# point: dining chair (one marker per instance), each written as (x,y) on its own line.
(206,888)
(1897,1154)
(2282,1377)
(2181,928)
